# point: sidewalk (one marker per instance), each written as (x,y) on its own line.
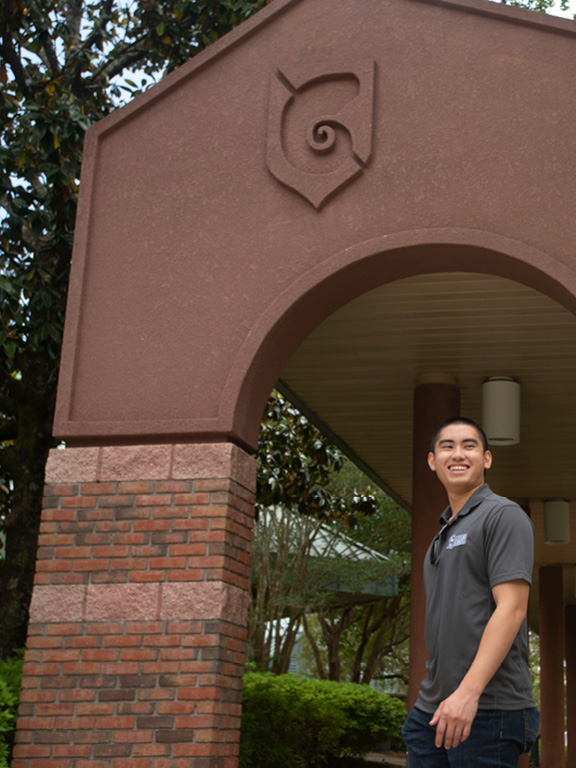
(385,758)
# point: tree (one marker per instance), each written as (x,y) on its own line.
(64,65)
(282,547)
(311,523)
(539,5)
(293,501)
(360,640)
(357,640)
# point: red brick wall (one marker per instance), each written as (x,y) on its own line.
(138,620)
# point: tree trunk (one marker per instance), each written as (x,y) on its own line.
(25,460)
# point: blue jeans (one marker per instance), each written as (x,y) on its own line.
(497,740)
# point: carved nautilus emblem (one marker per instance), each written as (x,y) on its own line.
(320,126)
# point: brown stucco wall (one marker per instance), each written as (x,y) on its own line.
(197,271)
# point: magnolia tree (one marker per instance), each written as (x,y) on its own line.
(64,65)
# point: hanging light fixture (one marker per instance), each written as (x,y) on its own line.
(557,521)
(501,410)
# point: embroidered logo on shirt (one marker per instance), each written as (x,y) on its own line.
(456,541)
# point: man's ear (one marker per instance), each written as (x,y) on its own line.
(432,461)
(487,459)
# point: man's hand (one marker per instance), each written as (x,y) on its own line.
(453,718)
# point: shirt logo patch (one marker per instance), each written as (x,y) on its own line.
(456,541)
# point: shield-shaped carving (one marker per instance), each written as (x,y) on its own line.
(320,126)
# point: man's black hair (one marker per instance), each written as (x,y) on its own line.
(459,420)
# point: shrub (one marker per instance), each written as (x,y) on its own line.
(10,676)
(293,722)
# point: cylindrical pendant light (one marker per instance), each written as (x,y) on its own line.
(557,521)
(501,410)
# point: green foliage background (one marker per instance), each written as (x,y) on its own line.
(10,676)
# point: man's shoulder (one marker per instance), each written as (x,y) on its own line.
(487,497)
(499,501)
(494,506)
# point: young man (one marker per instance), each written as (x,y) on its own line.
(475,706)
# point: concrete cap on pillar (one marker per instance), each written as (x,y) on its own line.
(437,378)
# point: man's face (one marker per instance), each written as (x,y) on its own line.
(459,458)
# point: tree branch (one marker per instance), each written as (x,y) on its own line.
(77,63)
(8,429)
(364,638)
(73,15)
(9,55)
(131,54)
(96,37)
(8,52)
(51,57)
(315,650)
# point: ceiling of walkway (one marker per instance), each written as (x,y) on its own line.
(356,372)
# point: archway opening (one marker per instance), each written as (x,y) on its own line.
(356,373)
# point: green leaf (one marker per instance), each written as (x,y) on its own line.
(10,348)
(10,288)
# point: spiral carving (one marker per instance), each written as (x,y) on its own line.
(321,136)
(343,136)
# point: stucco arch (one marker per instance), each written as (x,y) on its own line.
(203,211)
(360,268)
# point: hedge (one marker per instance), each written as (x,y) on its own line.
(293,722)
(10,676)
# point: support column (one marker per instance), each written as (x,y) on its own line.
(137,629)
(571,684)
(436,399)
(524,760)
(551,629)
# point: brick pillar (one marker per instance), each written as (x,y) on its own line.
(137,629)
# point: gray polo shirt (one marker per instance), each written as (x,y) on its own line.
(489,542)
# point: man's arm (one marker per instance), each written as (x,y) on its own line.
(453,717)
